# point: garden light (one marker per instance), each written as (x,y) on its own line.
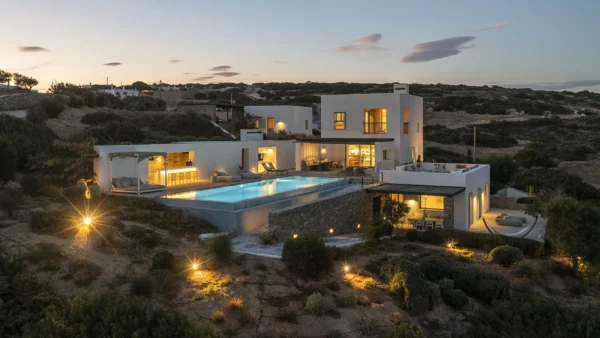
(331,230)
(346,268)
(295,236)
(195,266)
(87,221)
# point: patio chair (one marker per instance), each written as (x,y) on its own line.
(419,224)
(270,169)
(439,225)
(429,225)
(411,223)
(309,167)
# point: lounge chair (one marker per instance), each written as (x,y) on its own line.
(354,171)
(129,185)
(225,177)
(270,169)
(248,174)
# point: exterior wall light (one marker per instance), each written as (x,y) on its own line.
(331,230)
(294,236)
(323,150)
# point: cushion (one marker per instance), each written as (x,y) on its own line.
(222,173)
(117,182)
(125,182)
(133,181)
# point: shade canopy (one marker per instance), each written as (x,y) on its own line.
(343,140)
(410,189)
(140,155)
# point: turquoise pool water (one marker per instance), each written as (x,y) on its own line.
(247,191)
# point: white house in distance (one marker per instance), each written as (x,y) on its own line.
(273,119)
(366,130)
(122,92)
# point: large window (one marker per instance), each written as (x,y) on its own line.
(339,121)
(406,120)
(375,121)
(305,124)
(360,155)
(271,123)
(432,202)
(257,124)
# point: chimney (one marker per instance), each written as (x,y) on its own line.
(401,88)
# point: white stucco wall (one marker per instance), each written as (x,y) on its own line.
(472,180)
(294,119)
(355,104)
(208,157)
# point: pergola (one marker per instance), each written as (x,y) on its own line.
(139,156)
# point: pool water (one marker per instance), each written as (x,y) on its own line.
(247,191)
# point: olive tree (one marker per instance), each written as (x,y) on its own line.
(24,82)
(5,78)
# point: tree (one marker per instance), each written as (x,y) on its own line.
(61,87)
(139,85)
(5,78)
(383,223)
(502,168)
(24,82)
(572,228)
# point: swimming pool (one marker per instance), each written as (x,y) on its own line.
(248,191)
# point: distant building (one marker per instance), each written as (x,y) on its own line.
(122,92)
(273,119)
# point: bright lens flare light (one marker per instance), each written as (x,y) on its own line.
(346,268)
(87,221)
(195,266)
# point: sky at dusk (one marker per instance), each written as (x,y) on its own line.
(547,44)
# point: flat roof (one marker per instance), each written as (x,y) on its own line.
(412,189)
(343,140)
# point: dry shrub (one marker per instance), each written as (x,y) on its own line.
(218,316)
(318,305)
(235,304)
(347,300)
(84,272)
(286,314)
(167,284)
(369,283)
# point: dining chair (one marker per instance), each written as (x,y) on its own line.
(411,222)
(429,224)
(419,224)
(439,225)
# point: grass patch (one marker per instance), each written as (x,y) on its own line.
(235,304)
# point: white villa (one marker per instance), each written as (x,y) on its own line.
(272,119)
(375,135)
(122,92)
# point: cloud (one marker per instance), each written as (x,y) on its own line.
(188,73)
(280,62)
(174,61)
(369,39)
(32,49)
(367,43)
(203,78)
(555,85)
(226,74)
(112,64)
(34,67)
(438,49)
(495,27)
(220,68)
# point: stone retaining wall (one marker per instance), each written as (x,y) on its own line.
(501,202)
(342,213)
(18,101)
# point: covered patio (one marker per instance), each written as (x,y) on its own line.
(337,154)
(130,182)
(430,206)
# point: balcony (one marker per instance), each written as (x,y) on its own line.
(375,127)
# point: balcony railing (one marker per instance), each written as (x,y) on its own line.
(375,128)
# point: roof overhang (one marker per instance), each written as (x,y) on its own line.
(343,140)
(412,189)
(141,155)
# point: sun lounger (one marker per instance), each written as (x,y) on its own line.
(129,185)
(270,169)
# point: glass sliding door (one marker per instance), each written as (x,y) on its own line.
(360,155)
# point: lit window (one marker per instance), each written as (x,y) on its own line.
(432,202)
(406,120)
(375,121)
(271,123)
(339,121)
(257,124)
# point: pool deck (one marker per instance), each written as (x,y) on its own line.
(208,184)
(248,243)
(490,217)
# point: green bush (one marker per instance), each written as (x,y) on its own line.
(484,285)
(165,283)
(412,235)
(53,106)
(74,194)
(369,326)
(84,272)
(318,305)
(505,255)
(347,300)
(101,117)
(75,101)
(50,222)
(145,237)
(403,330)
(11,197)
(395,265)
(413,290)
(267,237)
(307,256)
(141,286)
(436,268)
(36,115)
(446,284)
(455,298)
(164,260)
(528,269)
(33,184)
(220,248)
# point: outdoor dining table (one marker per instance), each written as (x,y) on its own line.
(324,165)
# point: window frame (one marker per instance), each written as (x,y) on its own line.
(342,114)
